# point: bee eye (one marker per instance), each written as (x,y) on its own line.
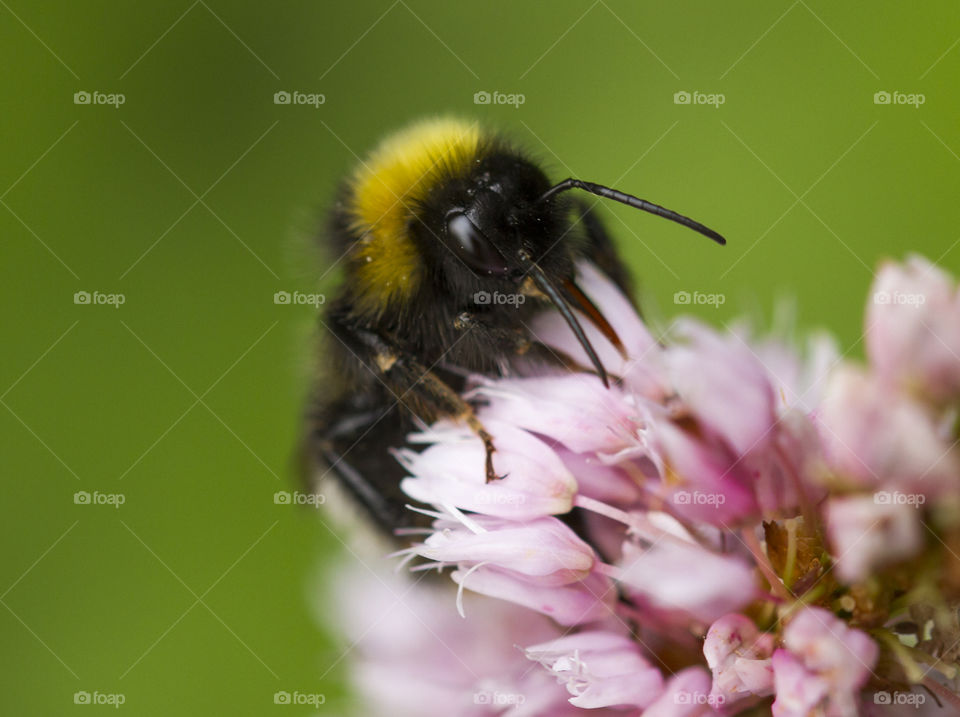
(473,247)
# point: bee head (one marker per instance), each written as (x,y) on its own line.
(495,230)
(504,216)
(478,228)
(502,226)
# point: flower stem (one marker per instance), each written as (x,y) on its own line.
(791,526)
(763,563)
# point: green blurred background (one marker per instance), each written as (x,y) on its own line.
(197,198)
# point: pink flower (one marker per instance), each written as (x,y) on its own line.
(543,549)
(870,531)
(539,563)
(739,656)
(734,428)
(535,481)
(418,658)
(793,470)
(600,669)
(874,436)
(687,694)
(703,479)
(626,533)
(575,410)
(797,377)
(913,328)
(722,383)
(799,692)
(785,474)
(674,576)
(825,665)
(574,603)
(600,480)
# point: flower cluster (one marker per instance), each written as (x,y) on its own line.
(733,527)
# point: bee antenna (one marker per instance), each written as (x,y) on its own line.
(632,201)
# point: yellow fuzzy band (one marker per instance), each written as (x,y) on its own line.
(385,188)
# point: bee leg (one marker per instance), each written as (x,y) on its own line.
(487,439)
(415,386)
(444,401)
(437,399)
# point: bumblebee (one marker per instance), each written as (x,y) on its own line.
(440,215)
